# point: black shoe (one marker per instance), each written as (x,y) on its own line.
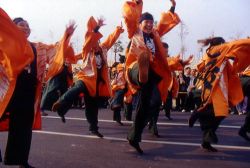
(120,123)
(62,117)
(243,133)
(169,118)
(44,114)
(156,135)
(207,146)
(97,133)
(136,146)
(26,166)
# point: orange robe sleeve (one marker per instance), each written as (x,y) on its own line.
(63,51)
(174,64)
(240,51)
(167,22)
(132,13)
(91,37)
(112,38)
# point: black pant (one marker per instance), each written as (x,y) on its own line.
(21,109)
(55,86)
(155,104)
(128,108)
(209,124)
(91,103)
(118,102)
(245,82)
(143,112)
(168,104)
(180,101)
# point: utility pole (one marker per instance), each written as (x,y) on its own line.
(183,34)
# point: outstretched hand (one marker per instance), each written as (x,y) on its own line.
(121,28)
(70,28)
(100,21)
(173,2)
(138,1)
(189,60)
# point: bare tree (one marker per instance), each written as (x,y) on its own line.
(117,48)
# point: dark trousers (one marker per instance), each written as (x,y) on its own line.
(0,156)
(117,102)
(21,112)
(91,103)
(54,88)
(128,108)
(245,82)
(155,104)
(189,102)
(180,101)
(209,124)
(168,104)
(143,112)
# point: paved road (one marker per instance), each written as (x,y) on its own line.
(70,145)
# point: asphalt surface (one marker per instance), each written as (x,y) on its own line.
(70,145)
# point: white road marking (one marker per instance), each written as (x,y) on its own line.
(130,122)
(144,141)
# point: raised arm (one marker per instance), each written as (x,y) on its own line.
(92,35)
(168,20)
(109,42)
(62,52)
(131,12)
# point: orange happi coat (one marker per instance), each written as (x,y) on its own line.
(15,55)
(88,71)
(174,64)
(218,77)
(132,12)
(119,81)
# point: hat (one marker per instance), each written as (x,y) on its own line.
(146,16)
(17,20)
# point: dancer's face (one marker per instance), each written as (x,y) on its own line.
(24,27)
(147,26)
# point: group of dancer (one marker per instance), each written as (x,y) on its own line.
(146,73)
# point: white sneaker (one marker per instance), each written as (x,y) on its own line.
(183,111)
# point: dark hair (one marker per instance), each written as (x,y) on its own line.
(213,41)
(122,58)
(146,16)
(165,45)
(18,19)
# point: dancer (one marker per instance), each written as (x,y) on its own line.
(220,84)
(119,89)
(20,88)
(245,82)
(93,78)
(146,65)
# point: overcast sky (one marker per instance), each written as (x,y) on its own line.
(47,18)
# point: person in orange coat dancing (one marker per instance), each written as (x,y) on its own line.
(93,79)
(220,84)
(146,64)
